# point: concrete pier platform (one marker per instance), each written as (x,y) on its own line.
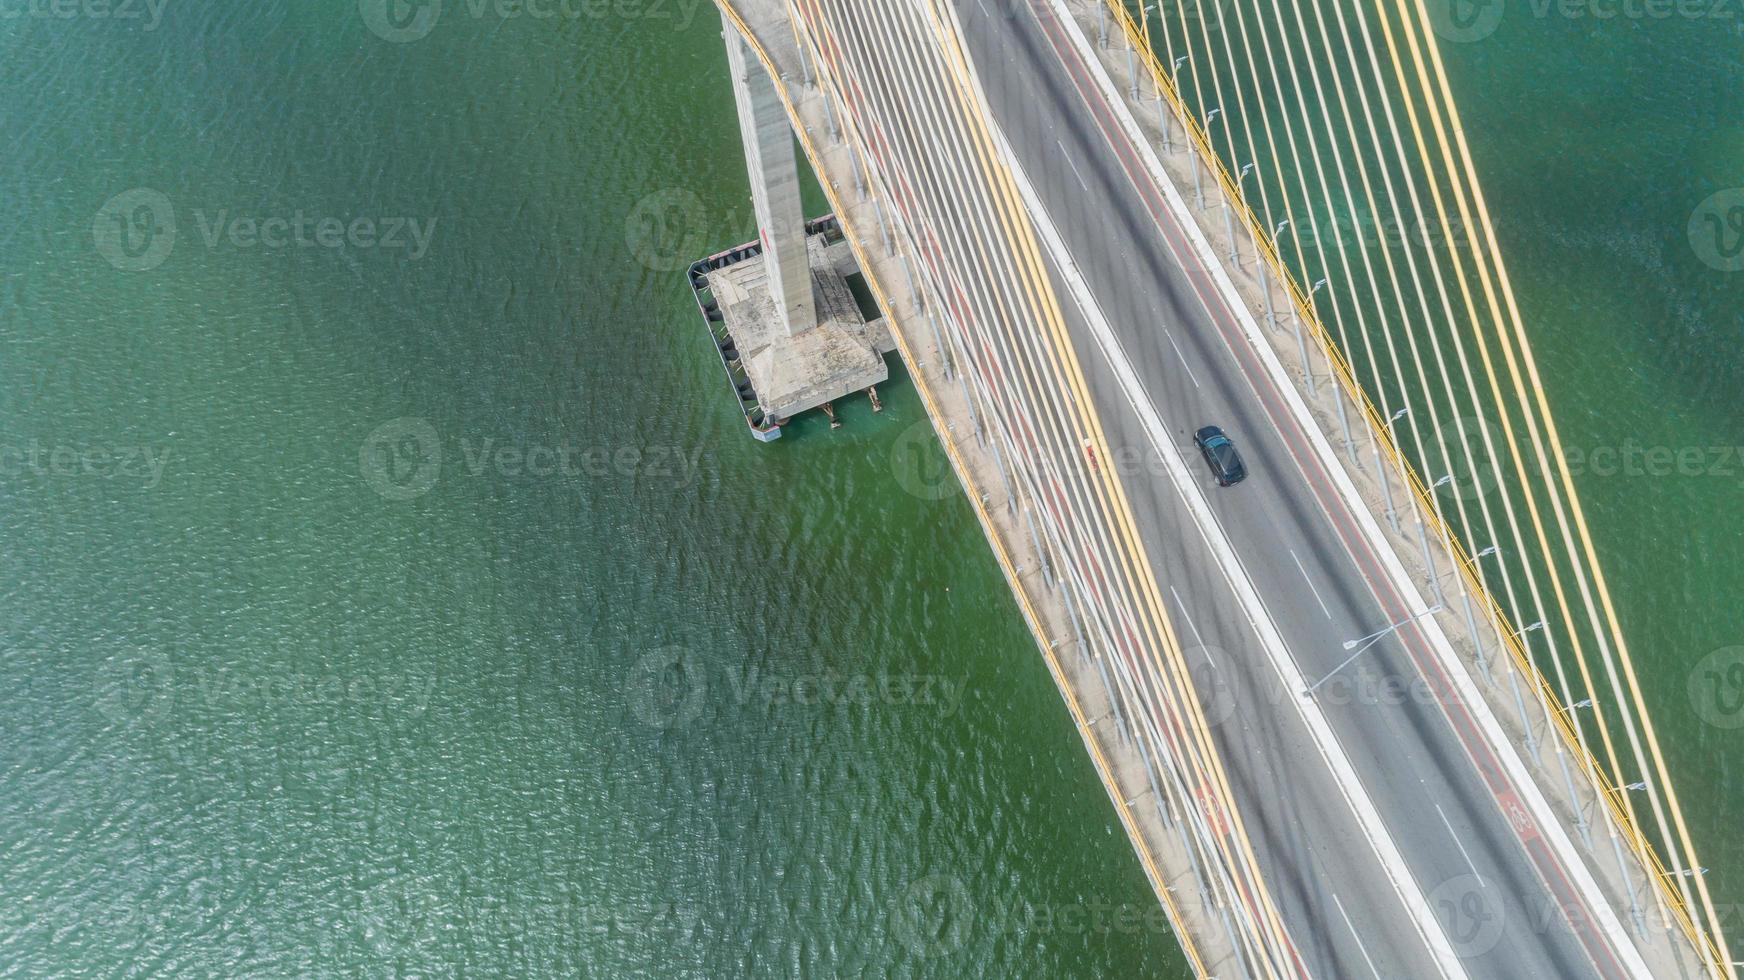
(776,375)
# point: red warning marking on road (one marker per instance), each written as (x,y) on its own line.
(1517,815)
(1213,812)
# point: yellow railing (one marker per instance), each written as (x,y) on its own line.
(1104,768)
(1263,245)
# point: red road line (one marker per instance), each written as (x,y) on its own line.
(991,371)
(1464,726)
(1129,649)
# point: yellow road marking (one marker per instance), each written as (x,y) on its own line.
(1714,948)
(1104,770)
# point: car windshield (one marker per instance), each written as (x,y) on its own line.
(1226,459)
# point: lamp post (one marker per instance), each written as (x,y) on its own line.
(1162,104)
(1234,252)
(1228,218)
(1198,180)
(1362,643)
(1535,627)
(1380,468)
(1487,552)
(1587,703)
(1295,318)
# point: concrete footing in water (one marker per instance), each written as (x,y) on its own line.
(777,375)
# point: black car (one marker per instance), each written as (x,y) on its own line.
(1220,455)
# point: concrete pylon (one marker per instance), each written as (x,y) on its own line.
(764,129)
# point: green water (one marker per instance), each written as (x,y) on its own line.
(1601,141)
(1609,137)
(305,675)
(681,705)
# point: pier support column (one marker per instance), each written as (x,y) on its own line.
(774,171)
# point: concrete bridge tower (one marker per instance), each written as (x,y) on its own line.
(790,331)
(774,171)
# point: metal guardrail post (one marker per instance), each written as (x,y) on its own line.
(1266,293)
(1229,229)
(1302,345)
(830,121)
(945,357)
(1344,423)
(883,228)
(1004,476)
(1429,563)
(1042,556)
(1346,379)
(908,276)
(1580,816)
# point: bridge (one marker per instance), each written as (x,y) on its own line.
(1371,712)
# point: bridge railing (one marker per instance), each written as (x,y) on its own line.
(965,473)
(1137,34)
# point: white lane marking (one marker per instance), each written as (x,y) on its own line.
(1310,582)
(1467,693)
(1194,627)
(1074,166)
(1355,935)
(1342,771)
(1456,843)
(1190,375)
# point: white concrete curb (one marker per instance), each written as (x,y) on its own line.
(1211,530)
(1530,792)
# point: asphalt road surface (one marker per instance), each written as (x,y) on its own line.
(1497,889)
